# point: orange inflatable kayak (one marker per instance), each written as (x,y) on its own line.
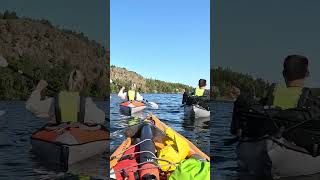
(130,107)
(136,158)
(62,147)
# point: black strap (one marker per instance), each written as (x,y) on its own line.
(305,95)
(270,96)
(135,95)
(57,109)
(82,110)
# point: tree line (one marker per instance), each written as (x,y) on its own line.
(224,80)
(152,86)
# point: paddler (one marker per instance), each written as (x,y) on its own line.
(131,95)
(200,95)
(253,159)
(67,107)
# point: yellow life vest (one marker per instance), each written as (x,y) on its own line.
(68,107)
(131,95)
(286,97)
(199,92)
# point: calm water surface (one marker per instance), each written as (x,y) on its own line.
(16,160)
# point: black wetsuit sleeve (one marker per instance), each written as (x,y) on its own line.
(314,108)
(235,123)
(242,103)
(193,92)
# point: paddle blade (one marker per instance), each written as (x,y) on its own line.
(153,105)
(3,62)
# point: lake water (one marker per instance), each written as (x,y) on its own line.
(224,166)
(16,160)
(170,113)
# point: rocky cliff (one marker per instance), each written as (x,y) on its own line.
(123,77)
(38,48)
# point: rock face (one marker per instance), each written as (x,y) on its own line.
(124,75)
(45,45)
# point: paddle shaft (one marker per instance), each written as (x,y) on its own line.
(28,76)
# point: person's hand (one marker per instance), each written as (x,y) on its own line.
(42,84)
(123,88)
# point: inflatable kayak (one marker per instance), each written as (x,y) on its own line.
(286,159)
(144,155)
(195,111)
(130,107)
(62,147)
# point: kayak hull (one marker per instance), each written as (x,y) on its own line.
(129,108)
(63,155)
(287,162)
(195,111)
(67,147)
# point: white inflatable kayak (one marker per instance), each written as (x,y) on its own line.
(287,162)
(195,111)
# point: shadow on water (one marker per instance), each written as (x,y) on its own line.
(17,160)
(224,163)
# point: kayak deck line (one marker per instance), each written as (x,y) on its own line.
(64,144)
(129,151)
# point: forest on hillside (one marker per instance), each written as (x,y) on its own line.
(224,80)
(152,86)
(123,77)
(44,51)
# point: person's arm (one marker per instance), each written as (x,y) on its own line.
(93,114)
(38,107)
(206,95)
(193,92)
(122,94)
(235,127)
(139,97)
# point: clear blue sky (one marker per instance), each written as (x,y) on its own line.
(89,17)
(164,39)
(255,36)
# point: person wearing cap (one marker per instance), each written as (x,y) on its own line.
(130,95)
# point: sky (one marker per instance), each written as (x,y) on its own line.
(89,17)
(254,37)
(162,39)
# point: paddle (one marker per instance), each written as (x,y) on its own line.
(152,104)
(4,63)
